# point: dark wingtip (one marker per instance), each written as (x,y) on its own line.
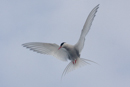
(23,45)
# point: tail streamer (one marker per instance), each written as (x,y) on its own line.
(72,66)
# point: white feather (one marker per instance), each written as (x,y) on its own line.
(49,49)
(79,62)
(80,44)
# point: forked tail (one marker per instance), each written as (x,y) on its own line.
(72,66)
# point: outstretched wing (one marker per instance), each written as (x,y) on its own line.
(79,45)
(49,49)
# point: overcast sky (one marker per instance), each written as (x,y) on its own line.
(56,21)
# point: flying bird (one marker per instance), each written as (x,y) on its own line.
(66,51)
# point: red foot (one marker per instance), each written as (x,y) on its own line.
(74,62)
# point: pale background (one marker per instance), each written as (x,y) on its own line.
(56,21)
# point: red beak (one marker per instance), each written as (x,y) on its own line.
(59,47)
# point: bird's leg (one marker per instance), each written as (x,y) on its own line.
(74,62)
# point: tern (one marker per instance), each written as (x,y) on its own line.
(66,51)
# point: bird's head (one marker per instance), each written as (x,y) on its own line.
(61,45)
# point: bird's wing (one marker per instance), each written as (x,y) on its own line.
(49,49)
(79,45)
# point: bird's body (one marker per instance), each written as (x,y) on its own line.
(66,51)
(72,51)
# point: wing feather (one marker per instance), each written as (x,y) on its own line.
(79,45)
(49,49)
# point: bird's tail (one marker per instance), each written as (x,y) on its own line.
(75,64)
